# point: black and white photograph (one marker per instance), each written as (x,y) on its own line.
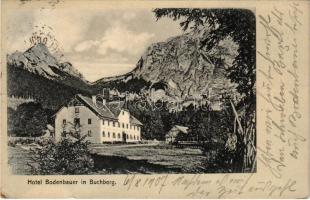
(131,91)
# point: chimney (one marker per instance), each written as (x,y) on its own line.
(94,98)
(106,94)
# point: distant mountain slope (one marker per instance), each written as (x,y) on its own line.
(36,73)
(181,67)
(40,61)
(124,83)
(178,66)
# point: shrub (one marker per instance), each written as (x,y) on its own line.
(69,156)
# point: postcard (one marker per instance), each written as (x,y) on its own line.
(155,99)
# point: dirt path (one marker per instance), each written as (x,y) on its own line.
(122,145)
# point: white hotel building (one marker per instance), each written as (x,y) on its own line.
(101,121)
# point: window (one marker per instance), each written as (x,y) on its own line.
(137,127)
(137,137)
(118,124)
(113,124)
(127,126)
(127,136)
(134,137)
(89,133)
(118,135)
(134,127)
(64,122)
(77,110)
(63,134)
(108,123)
(108,134)
(76,121)
(123,112)
(103,134)
(130,127)
(131,137)
(103,122)
(123,125)
(89,121)
(113,135)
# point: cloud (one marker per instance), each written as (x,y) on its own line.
(18,31)
(101,69)
(117,38)
(88,57)
(121,39)
(86,45)
(68,26)
(129,15)
(116,58)
(108,42)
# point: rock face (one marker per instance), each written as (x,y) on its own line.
(39,60)
(37,74)
(178,64)
(179,68)
(184,68)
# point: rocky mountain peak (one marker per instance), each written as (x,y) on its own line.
(39,48)
(40,53)
(185,68)
(39,60)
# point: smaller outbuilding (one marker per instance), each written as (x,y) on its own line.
(177,133)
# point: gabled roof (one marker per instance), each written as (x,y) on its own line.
(176,129)
(134,120)
(115,107)
(183,129)
(99,108)
(110,110)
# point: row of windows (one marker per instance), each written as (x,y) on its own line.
(119,136)
(89,121)
(76,121)
(114,124)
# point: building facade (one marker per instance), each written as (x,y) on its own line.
(101,120)
(176,132)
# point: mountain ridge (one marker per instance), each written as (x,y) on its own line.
(38,60)
(37,74)
(178,68)
(182,67)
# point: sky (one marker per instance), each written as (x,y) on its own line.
(99,43)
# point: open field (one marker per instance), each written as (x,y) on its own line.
(123,159)
(185,160)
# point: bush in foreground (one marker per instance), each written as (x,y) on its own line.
(69,156)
